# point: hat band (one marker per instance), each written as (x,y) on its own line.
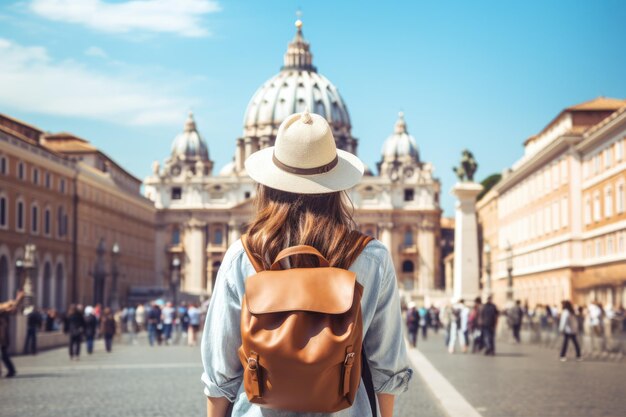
(306,171)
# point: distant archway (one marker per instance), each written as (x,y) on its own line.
(60,288)
(408,266)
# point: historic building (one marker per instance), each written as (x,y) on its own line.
(71,201)
(556,221)
(201,212)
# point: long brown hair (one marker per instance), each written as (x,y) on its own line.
(285,219)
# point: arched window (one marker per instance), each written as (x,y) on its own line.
(4,215)
(34,219)
(176,236)
(47,286)
(19,215)
(4,278)
(408,237)
(408,266)
(218,237)
(46,222)
(60,288)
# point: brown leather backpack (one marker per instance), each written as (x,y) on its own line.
(301,333)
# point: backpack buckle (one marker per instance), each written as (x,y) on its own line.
(349,358)
(253,364)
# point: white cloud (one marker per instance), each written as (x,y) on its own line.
(30,80)
(181,17)
(96,52)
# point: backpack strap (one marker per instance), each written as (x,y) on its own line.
(361,243)
(254,259)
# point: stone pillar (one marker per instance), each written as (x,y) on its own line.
(195,254)
(426,250)
(466,272)
(385,235)
(233,232)
(239,155)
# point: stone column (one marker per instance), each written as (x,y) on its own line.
(385,235)
(426,250)
(239,155)
(466,272)
(195,257)
(233,232)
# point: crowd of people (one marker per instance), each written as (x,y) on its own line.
(473,328)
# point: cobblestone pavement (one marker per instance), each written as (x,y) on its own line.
(132,381)
(525,381)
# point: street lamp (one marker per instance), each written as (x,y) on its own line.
(487,250)
(114,298)
(99,274)
(509,269)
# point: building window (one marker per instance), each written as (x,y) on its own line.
(620,198)
(370,232)
(46,222)
(176,236)
(48,180)
(20,170)
(218,237)
(3,212)
(619,150)
(61,222)
(34,221)
(620,243)
(609,245)
(35,176)
(408,266)
(62,185)
(596,206)
(599,247)
(177,193)
(409,194)
(246,195)
(19,216)
(564,212)
(587,210)
(555,216)
(608,202)
(408,237)
(4,167)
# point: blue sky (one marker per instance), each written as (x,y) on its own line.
(478,74)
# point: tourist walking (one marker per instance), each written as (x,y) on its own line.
(300,202)
(131,326)
(33,324)
(108,326)
(433,314)
(458,326)
(91,325)
(74,327)
(167,317)
(412,323)
(194,324)
(140,317)
(568,326)
(514,316)
(489,319)
(474,326)
(7,309)
(154,324)
(183,317)
(424,321)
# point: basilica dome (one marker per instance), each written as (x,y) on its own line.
(400,144)
(189,145)
(297,87)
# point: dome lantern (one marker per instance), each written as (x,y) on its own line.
(188,145)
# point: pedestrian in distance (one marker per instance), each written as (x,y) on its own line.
(474,326)
(424,321)
(272,310)
(194,324)
(108,326)
(458,326)
(91,324)
(183,314)
(7,309)
(140,317)
(412,323)
(154,322)
(131,325)
(433,314)
(74,327)
(514,316)
(489,319)
(445,318)
(568,326)
(167,317)
(33,324)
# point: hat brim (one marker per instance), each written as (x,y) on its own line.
(346,174)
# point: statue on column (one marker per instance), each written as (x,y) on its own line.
(467,168)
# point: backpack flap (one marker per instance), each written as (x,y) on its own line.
(318,290)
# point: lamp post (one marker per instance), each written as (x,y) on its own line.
(114,301)
(487,250)
(99,274)
(509,269)
(27,272)
(174,285)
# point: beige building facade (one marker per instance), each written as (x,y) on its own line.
(546,221)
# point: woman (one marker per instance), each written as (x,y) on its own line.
(91,325)
(300,200)
(568,325)
(108,327)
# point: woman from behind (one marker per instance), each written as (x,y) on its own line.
(301,201)
(568,326)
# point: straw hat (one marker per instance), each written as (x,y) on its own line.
(305,159)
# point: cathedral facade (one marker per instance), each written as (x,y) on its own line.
(201,212)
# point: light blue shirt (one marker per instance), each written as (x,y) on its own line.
(382,327)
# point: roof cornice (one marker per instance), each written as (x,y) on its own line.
(599,131)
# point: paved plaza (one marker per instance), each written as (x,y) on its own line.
(136,380)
